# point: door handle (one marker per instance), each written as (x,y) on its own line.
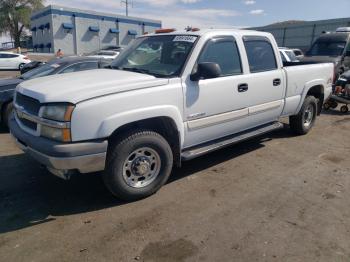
(276,82)
(242,88)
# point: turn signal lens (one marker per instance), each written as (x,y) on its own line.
(165,30)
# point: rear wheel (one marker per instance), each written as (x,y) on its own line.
(20,66)
(138,165)
(302,123)
(344,109)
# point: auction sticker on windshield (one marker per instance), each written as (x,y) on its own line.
(185,38)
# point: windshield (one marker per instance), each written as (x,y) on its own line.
(161,56)
(326,48)
(42,70)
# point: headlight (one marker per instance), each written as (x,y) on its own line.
(59,131)
(58,134)
(58,112)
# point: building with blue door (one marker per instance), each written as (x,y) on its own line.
(76,31)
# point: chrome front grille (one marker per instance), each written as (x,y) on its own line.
(30,105)
(27,109)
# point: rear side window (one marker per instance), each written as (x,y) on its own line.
(261,56)
(225,53)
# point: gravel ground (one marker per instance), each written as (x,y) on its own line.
(276,198)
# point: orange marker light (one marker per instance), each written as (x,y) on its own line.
(166,30)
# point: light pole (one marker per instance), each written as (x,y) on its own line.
(127,3)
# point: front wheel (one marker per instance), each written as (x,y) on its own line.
(138,165)
(20,67)
(302,123)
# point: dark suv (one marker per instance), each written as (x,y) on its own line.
(331,47)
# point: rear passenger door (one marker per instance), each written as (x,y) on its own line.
(266,81)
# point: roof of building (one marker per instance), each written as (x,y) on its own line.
(61,10)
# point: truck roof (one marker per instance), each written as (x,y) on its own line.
(334,36)
(202,32)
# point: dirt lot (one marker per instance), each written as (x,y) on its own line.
(278,198)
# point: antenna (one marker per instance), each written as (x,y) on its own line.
(127,4)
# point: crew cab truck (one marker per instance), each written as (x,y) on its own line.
(169,97)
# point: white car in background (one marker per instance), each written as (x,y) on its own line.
(10,60)
(287,55)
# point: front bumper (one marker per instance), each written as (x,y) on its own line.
(62,158)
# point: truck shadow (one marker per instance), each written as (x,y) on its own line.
(30,196)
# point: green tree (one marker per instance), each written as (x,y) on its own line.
(15,17)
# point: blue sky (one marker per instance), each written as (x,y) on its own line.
(219,13)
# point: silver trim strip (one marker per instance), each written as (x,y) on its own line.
(216,119)
(265,107)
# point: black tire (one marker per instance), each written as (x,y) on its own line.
(298,122)
(326,106)
(334,104)
(344,109)
(20,66)
(119,153)
(6,114)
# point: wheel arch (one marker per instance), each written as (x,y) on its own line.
(164,125)
(314,88)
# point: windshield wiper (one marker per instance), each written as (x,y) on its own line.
(137,70)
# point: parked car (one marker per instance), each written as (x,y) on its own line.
(331,47)
(30,66)
(57,66)
(298,53)
(203,90)
(105,54)
(287,55)
(12,61)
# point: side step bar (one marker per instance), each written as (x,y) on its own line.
(229,140)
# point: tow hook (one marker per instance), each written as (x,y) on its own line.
(64,174)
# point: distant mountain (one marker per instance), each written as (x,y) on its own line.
(289,22)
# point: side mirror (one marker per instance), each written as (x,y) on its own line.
(206,70)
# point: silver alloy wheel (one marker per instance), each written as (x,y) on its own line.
(309,115)
(141,167)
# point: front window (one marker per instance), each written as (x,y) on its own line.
(327,48)
(161,56)
(43,70)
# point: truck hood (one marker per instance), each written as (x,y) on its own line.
(79,86)
(321,59)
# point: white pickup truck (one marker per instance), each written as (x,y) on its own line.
(169,97)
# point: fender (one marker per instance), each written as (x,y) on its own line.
(307,87)
(112,123)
